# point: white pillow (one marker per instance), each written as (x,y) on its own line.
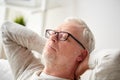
(5,71)
(105,65)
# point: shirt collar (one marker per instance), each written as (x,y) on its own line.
(50,77)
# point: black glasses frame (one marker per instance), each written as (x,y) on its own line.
(47,31)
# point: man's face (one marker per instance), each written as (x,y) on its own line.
(62,52)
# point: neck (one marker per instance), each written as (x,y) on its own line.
(60,71)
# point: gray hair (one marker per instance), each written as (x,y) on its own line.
(87,36)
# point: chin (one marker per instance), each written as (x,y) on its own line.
(47,58)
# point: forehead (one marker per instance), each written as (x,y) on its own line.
(71,27)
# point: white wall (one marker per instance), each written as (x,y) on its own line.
(56,15)
(2,14)
(102,16)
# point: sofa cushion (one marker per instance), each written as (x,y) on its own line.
(105,65)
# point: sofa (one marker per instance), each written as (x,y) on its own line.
(104,65)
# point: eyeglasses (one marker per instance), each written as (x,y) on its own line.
(62,36)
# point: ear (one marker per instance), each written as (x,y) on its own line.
(79,58)
(82,56)
(84,53)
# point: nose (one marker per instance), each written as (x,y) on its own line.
(54,37)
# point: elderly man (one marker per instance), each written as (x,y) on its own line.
(65,55)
